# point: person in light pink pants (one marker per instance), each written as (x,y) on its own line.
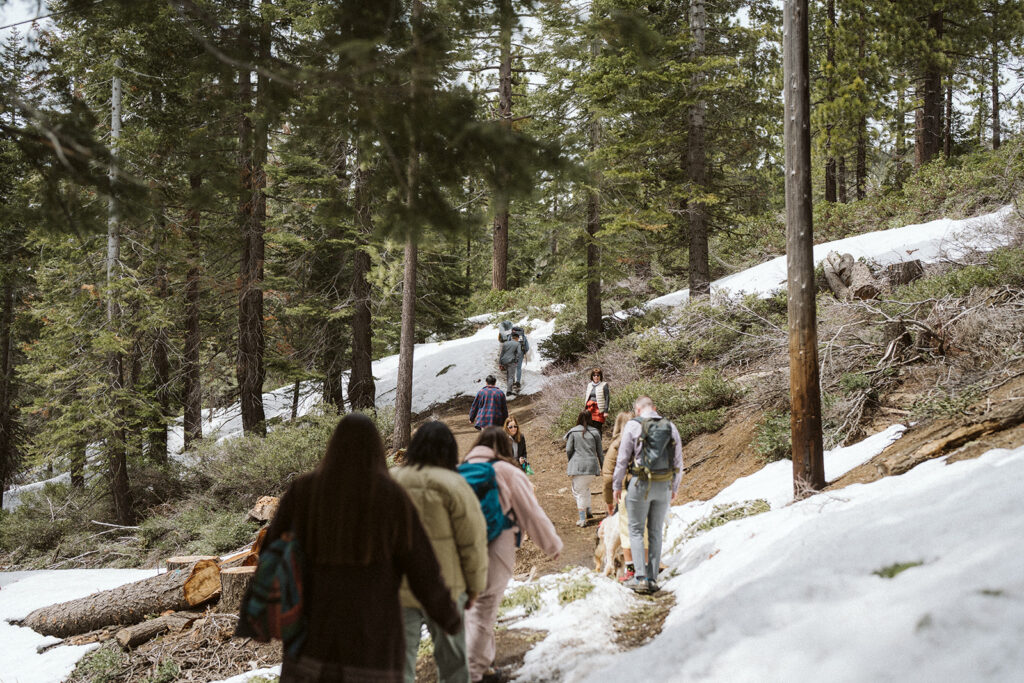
(517,500)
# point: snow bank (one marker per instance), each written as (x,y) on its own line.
(22,592)
(929,242)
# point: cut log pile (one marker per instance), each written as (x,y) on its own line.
(851,279)
(191,581)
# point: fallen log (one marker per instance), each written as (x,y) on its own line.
(234,583)
(837,273)
(137,634)
(177,589)
(183,561)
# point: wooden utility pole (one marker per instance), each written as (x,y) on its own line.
(805,392)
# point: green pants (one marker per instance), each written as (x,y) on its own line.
(449,651)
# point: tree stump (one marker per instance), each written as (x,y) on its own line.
(129,604)
(183,561)
(234,583)
(264,509)
(862,283)
(904,272)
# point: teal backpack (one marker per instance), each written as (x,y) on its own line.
(657,450)
(273,606)
(481,477)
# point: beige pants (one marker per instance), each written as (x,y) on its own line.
(480,620)
(581,490)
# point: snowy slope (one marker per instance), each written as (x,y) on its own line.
(792,594)
(929,242)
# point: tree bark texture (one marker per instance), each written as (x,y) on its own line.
(133,636)
(996,127)
(128,604)
(499,261)
(700,270)
(947,129)
(362,392)
(252,151)
(116,439)
(861,172)
(406,345)
(234,583)
(594,320)
(8,440)
(805,397)
(830,58)
(929,116)
(161,354)
(193,398)
(841,179)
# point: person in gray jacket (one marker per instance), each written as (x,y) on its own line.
(586,456)
(511,353)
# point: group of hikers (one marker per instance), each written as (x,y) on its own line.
(431,543)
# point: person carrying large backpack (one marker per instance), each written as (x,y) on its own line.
(652,452)
(524,514)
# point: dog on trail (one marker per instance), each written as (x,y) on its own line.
(608,557)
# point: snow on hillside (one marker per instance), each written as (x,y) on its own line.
(796,593)
(930,242)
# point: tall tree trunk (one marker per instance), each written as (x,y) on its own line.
(499,263)
(407,337)
(594,321)
(929,116)
(841,179)
(700,269)
(996,127)
(116,446)
(362,392)
(333,360)
(861,179)
(161,353)
(830,58)
(192,420)
(252,145)
(947,136)
(77,459)
(8,441)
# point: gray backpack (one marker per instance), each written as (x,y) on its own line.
(657,449)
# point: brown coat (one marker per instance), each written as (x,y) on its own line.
(355,622)
(608,468)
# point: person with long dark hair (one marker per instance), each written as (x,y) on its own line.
(360,535)
(451,515)
(520,505)
(585,454)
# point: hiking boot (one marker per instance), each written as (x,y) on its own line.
(652,586)
(590,515)
(494,676)
(637,584)
(629,574)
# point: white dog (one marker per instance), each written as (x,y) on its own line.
(608,552)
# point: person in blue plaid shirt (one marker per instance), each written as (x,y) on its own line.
(489,407)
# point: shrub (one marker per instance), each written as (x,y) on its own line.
(725,513)
(576,589)
(896,569)
(526,596)
(773,440)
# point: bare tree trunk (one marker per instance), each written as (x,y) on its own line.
(252,142)
(700,269)
(8,440)
(830,58)
(161,353)
(407,338)
(929,115)
(116,446)
(193,398)
(841,179)
(594,321)
(499,263)
(996,127)
(947,137)
(805,396)
(361,390)
(861,174)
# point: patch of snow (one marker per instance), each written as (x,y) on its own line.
(930,242)
(23,592)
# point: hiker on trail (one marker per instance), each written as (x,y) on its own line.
(597,398)
(524,513)
(451,515)
(652,452)
(511,356)
(610,456)
(360,534)
(518,444)
(583,446)
(524,348)
(489,406)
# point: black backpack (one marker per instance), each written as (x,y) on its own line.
(657,449)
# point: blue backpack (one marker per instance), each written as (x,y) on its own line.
(480,475)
